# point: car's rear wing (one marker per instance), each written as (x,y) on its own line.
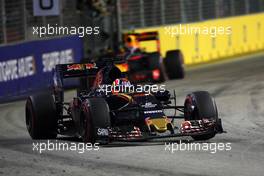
(144,36)
(72,70)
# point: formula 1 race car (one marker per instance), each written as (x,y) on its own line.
(142,66)
(95,115)
(150,66)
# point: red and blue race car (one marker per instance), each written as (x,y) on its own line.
(98,115)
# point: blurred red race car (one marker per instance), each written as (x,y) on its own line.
(143,66)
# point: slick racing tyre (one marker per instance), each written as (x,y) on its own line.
(200,105)
(41,120)
(96,117)
(174,64)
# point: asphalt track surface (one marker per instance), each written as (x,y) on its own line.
(238,87)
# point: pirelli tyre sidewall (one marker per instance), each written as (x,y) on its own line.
(199,105)
(96,116)
(41,119)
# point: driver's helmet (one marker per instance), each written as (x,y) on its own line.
(121,85)
(131,42)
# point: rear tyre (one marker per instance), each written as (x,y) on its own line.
(200,105)
(96,116)
(174,64)
(41,119)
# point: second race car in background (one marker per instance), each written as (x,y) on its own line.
(143,66)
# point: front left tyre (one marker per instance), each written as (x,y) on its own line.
(41,119)
(95,116)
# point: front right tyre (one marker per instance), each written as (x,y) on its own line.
(198,106)
(95,116)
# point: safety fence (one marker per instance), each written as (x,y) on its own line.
(217,39)
(204,30)
(147,13)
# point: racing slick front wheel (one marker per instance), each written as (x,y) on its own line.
(41,118)
(198,106)
(96,117)
(174,64)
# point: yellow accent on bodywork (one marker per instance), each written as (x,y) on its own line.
(160,124)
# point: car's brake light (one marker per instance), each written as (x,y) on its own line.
(156,74)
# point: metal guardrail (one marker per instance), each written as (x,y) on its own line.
(16,17)
(147,13)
